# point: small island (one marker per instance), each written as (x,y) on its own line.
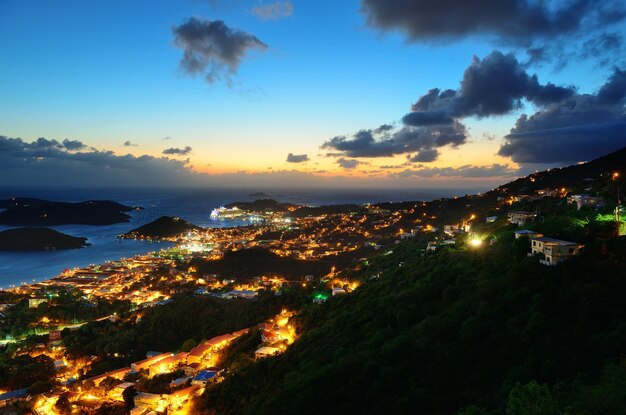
(38,239)
(38,212)
(163,227)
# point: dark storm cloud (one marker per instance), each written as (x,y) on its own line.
(212,48)
(273,11)
(129,144)
(297,158)
(552,31)
(48,162)
(369,143)
(512,21)
(491,86)
(177,151)
(579,128)
(426,155)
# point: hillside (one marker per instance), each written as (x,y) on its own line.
(446,331)
(38,239)
(464,330)
(37,212)
(163,227)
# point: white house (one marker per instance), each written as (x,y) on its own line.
(554,250)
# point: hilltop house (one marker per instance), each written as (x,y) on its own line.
(520,217)
(584,200)
(554,250)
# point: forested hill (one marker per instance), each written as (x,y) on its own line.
(163,227)
(37,212)
(458,331)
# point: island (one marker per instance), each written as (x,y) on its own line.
(38,212)
(38,239)
(259,194)
(262,205)
(163,227)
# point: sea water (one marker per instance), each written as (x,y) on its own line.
(193,205)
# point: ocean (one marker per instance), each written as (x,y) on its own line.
(193,205)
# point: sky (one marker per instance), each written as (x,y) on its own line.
(284,93)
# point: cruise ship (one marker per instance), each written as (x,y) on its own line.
(226,213)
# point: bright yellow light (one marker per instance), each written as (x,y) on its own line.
(475,242)
(616,175)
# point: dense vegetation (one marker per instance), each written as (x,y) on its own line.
(36,212)
(38,239)
(163,227)
(456,331)
(254,262)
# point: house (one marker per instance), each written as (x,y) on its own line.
(338,291)
(205,376)
(168,364)
(452,229)
(198,353)
(269,336)
(191,369)
(520,217)
(12,396)
(177,399)
(179,382)
(554,250)
(146,363)
(491,219)
(584,200)
(150,400)
(525,233)
(115,374)
(34,302)
(119,389)
(266,351)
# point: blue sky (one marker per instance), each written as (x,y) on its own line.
(105,73)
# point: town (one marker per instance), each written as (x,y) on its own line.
(279,260)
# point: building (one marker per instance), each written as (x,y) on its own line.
(520,217)
(554,250)
(491,219)
(205,376)
(266,351)
(338,291)
(34,302)
(584,200)
(168,364)
(525,233)
(115,374)
(146,363)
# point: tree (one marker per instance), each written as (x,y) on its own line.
(530,399)
(63,405)
(189,344)
(129,397)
